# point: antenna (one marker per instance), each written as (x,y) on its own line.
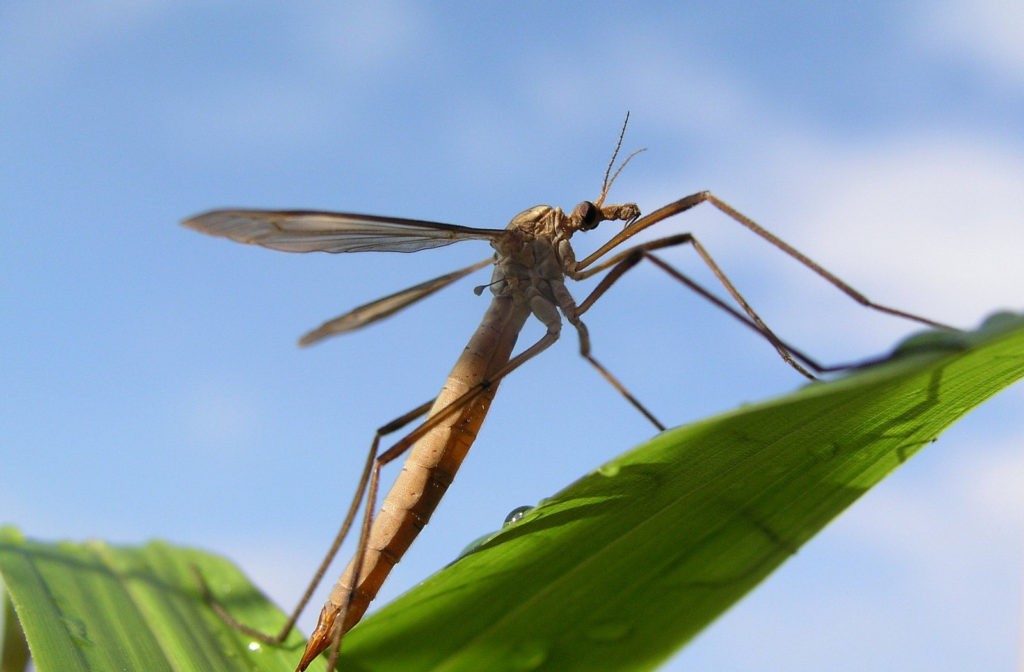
(609,177)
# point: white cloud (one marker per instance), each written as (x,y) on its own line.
(935,219)
(995,486)
(987,33)
(928,223)
(954,522)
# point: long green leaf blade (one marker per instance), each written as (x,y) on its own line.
(92,606)
(626,565)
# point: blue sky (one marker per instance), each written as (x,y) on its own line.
(151,381)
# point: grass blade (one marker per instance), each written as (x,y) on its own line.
(92,606)
(626,565)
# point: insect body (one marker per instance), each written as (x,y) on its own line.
(532,260)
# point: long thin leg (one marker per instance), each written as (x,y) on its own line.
(636,254)
(738,298)
(339,538)
(797,354)
(367,488)
(625,260)
(693,200)
(573,315)
(785,351)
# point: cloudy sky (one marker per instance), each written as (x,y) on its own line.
(151,381)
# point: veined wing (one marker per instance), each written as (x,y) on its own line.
(388,305)
(309,230)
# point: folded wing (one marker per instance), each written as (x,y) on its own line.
(309,231)
(388,305)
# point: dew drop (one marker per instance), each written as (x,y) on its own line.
(610,469)
(515,515)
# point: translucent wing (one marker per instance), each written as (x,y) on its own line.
(308,231)
(388,305)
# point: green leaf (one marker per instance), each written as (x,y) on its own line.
(92,606)
(627,564)
(615,572)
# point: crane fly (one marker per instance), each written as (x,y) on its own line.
(532,259)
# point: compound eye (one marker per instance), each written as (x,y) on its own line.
(588,215)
